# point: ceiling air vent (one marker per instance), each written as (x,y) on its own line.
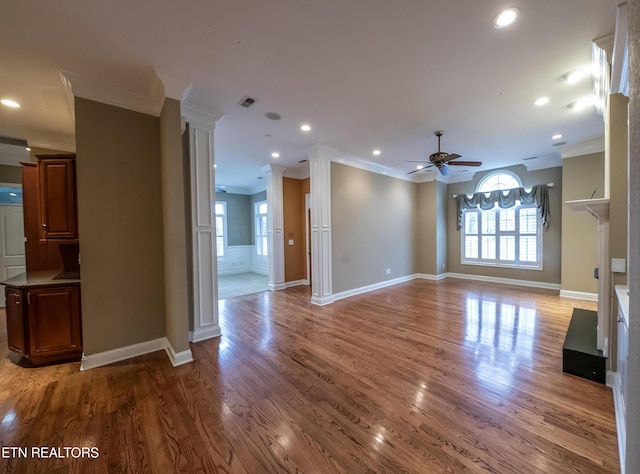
(530,158)
(247,102)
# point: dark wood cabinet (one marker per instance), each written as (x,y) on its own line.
(44,323)
(57,191)
(15,321)
(40,255)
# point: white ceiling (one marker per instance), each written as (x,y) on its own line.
(364,73)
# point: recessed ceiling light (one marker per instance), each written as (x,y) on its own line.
(10,103)
(541,101)
(376,152)
(215,166)
(419,167)
(582,103)
(506,17)
(12,194)
(556,136)
(275,154)
(574,76)
(305,127)
(28,149)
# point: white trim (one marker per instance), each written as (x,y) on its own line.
(204,333)
(122,353)
(429,276)
(613,381)
(322,301)
(506,281)
(426,276)
(579,295)
(178,358)
(289,284)
(374,286)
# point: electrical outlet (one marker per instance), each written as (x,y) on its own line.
(388,271)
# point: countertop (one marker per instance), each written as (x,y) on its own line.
(43,278)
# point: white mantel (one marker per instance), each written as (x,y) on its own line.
(599,208)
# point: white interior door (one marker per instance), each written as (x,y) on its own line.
(12,259)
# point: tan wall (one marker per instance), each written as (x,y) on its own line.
(551,245)
(174,225)
(441,227)
(293,207)
(427,208)
(120,220)
(618,163)
(373,227)
(580,176)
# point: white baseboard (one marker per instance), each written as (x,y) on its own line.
(579,295)
(429,276)
(289,284)
(122,353)
(613,381)
(178,358)
(374,286)
(321,301)
(506,281)
(208,332)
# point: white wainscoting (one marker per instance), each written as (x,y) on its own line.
(242,259)
(236,260)
(259,264)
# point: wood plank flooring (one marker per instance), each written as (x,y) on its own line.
(424,377)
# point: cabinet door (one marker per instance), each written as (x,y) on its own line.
(39,255)
(55,331)
(58,198)
(15,320)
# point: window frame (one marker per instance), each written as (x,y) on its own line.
(224,229)
(257,215)
(498,233)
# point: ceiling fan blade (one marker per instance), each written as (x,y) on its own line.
(466,163)
(451,156)
(420,169)
(411,161)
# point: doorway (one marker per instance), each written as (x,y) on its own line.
(12,254)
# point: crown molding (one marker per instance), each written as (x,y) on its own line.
(345,159)
(52,142)
(198,114)
(583,148)
(541,163)
(149,103)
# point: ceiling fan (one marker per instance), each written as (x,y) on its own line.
(441,160)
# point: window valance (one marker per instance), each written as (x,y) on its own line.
(539,195)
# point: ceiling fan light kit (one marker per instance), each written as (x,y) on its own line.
(441,160)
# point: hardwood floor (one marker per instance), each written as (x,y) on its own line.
(452,376)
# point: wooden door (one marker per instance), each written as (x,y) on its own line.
(12,254)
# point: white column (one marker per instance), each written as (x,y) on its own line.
(205,272)
(320,170)
(275,225)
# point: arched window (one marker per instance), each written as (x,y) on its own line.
(502,237)
(500,180)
